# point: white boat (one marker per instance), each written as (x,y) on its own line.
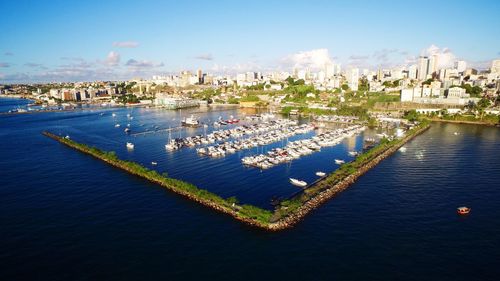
(154,163)
(298,182)
(190,121)
(67,137)
(339,161)
(455,133)
(402,149)
(130,145)
(113,114)
(320,174)
(117,126)
(127,130)
(353,153)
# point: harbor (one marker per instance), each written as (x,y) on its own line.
(282,141)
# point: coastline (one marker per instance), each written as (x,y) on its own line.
(249,214)
(464,122)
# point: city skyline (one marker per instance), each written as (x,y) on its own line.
(121,40)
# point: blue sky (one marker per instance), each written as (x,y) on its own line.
(89,40)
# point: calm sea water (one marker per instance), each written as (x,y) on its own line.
(67,216)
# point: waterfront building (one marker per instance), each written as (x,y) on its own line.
(171,102)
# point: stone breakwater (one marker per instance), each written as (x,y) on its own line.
(343,184)
(214,205)
(286,222)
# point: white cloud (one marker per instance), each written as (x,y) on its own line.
(113,58)
(204,57)
(142,63)
(126,44)
(313,59)
(445,57)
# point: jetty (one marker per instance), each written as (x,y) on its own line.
(288,212)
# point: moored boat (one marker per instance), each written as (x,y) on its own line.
(320,174)
(298,182)
(130,145)
(339,161)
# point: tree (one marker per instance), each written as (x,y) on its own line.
(411,115)
(345,87)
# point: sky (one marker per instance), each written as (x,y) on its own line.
(42,41)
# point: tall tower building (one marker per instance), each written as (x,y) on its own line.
(423,67)
(412,72)
(433,64)
(199,75)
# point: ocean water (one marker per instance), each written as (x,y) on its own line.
(67,216)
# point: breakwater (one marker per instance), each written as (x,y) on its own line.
(287,213)
(292,211)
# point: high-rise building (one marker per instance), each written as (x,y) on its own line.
(495,66)
(433,64)
(461,66)
(329,70)
(353,79)
(423,64)
(199,75)
(412,72)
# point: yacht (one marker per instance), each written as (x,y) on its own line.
(154,163)
(339,161)
(298,182)
(127,130)
(117,126)
(320,174)
(190,121)
(402,149)
(113,114)
(130,145)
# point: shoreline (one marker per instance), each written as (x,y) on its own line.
(248,214)
(464,122)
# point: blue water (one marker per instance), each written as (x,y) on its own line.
(67,216)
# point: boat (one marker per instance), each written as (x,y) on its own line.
(463,210)
(127,130)
(190,121)
(67,137)
(117,126)
(353,153)
(320,174)
(154,163)
(113,114)
(298,182)
(455,133)
(339,161)
(402,149)
(130,145)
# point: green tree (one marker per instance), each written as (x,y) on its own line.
(345,87)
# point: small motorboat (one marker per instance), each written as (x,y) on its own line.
(455,133)
(320,174)
(298,182)
(117,126)
(114,114)
(339,161)
(402,149)
(154,163)
(353,153)
(130,145)
(127,130)
(463,210)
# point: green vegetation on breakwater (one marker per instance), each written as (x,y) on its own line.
(248,213)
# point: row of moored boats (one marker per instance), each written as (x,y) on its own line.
(299,148)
